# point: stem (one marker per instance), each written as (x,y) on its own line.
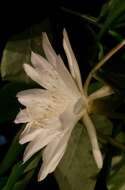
(93,21)
(101,63)
(90,19)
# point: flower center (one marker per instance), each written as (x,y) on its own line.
(80,106)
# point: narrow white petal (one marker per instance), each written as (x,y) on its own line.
(31,96)
(48,50)
(93,139)
(66,77)
(98,158)
(58,64)
(67,47)
(102,92)
(73,65)
(38,76)
(41,64)
(33,74)
(22,117)
(46,76)
(29,133)
(41,140)
(33,129)
(53,153)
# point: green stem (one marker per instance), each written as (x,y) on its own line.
(93,21)
(100,64)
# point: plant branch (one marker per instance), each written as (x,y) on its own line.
(101,63)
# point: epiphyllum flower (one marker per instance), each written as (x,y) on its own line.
(51,113)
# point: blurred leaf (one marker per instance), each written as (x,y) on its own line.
(29,169)
(18,51)
(3,181)
(104,10)
(102,124)
(22,184)
(77,170)
(117,8)
(116,35)
(12,155)
(16,173)
(15,54)
(120,22)
(116,179)
(120,137)
(101,51)
(21,174)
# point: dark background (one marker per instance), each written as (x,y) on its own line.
(16,16)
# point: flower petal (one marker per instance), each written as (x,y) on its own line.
(93,139)
(44,78)
(29,133)
(102,92)
(57,62)
(22,117)
(73,65)
(33,74)
(41,140)
(51,106)
(34,128)
(48,50)
(41,64)
(66,77)
(31,96)
(40,104)
(53,153)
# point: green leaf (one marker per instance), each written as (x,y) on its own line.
(104,10)
(21,174)
(29,170)
(16,173)
(18,51)
(116,179)
(3,181)
(22,184)
(117,8)
(12,155)
(33,162)
(102,124)
(77,170)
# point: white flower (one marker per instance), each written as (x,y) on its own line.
(51,113)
